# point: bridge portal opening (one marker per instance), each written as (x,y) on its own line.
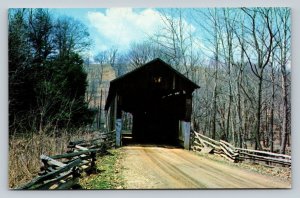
(159,98)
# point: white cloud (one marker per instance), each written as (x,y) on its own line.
(120,26)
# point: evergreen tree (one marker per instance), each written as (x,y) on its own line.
(47,82)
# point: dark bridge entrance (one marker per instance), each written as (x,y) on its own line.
(159,123)
(160,100)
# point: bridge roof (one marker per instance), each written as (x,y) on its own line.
(155,75)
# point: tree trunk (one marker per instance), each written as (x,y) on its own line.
(213,135)
(229,106)
(239,111)
(266,130)
(258,115)
(271,127)
(284,132)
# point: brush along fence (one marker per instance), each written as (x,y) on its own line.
(205,144)
(63,171)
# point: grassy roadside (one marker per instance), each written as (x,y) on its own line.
(108,174)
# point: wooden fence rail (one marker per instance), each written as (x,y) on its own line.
(63,171)
(203,143)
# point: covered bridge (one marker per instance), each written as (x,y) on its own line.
(160,100)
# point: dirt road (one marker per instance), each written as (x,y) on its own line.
(156,167)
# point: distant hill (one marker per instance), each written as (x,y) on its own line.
(96,84)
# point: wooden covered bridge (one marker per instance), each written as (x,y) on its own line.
(160,100)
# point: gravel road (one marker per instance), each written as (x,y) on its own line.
(163,167)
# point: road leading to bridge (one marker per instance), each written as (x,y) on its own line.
(157,167)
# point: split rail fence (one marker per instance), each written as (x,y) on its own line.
(205,144)
(63,171)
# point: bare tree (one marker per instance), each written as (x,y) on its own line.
(141,53)
(71,36)
(260,42)
(282,57)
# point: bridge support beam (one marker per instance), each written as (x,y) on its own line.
(186,132)
(118,132)
(118,123)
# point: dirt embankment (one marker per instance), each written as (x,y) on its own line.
(156,167)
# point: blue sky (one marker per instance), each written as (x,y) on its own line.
(120,26)
(115,27)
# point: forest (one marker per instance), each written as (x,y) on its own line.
(47,82)
(240,57)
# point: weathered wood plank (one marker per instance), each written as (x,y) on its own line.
(205,142)
(51,161)
(81,148)
(228,149)
(229,155)
(200,140)
(74,154)
(198,148)
(207,138)
(210,144)
(51,182)
(51,174)
(228,145)
(266,153)
(266,158)
(67,184)
(198,144)
(99,141)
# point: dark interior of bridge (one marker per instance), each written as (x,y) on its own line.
(158,123)
(158,97)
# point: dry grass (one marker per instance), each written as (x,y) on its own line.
(25,151)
